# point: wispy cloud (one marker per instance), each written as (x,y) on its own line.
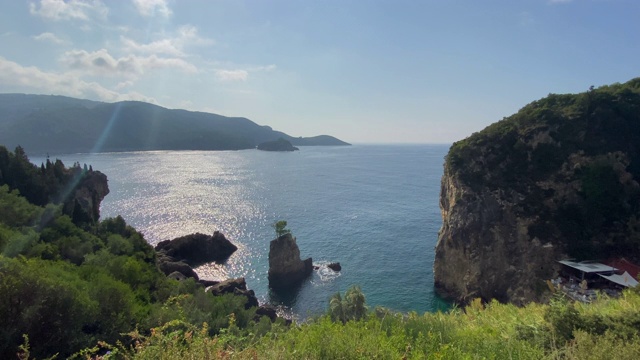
(229,75)
(47,36)
(150,8)
(185,36)
(69,10)
(102,63)
(33,79)
(232,75)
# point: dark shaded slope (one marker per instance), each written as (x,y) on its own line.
(56,124)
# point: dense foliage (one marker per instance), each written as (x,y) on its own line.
(69,284)
(584,144)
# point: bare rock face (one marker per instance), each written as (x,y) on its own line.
(286,269)
(484,249)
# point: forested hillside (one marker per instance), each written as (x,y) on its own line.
(56,124)
(69,281)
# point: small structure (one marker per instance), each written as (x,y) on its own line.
(586,270)
(581,281)
(624,280)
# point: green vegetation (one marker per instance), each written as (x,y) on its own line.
(575,161)
(281,228)
(68,284)
(82,289)
(606,329)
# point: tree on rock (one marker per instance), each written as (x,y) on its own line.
(281,228)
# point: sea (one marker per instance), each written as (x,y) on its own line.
(372,208)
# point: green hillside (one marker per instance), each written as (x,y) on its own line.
(575,161)
(56,124)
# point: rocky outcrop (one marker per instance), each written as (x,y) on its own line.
(335,266)
(237,287)
(277,145)
(169,265)
(484,249)
(83,204)
(558,179)
(197,248)
(286,269)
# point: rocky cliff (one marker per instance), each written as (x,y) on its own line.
(558,179)
(83,203)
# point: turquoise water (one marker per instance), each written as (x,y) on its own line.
(373,208)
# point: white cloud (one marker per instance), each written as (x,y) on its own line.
(124,84)
(69,10)
(47,36)
(165,46)
(232,75)
(186,36)
(102,63)
(151,7)
(33,79)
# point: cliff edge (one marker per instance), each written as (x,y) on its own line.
(558,179)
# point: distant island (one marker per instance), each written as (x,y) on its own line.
(277,145)
(58,124)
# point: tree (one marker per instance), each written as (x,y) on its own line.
(351,307)
(281,228)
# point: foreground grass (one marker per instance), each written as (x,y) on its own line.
(607,329)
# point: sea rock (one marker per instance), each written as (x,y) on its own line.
(168,266)
(286,269)
(335,266)
(207,283)
(228,286)
(237,287)
(268,311)
(277,145)
(197,248)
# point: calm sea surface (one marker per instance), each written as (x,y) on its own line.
(373,208)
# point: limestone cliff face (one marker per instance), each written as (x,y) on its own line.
(484,249)
(558,179)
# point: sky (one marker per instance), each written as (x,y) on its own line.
(365,71)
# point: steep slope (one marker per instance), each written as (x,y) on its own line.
(558,179)
(59,124)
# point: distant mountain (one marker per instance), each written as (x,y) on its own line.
(59,124)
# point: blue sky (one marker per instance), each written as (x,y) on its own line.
(364,71)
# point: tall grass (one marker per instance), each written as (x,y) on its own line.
(606,329)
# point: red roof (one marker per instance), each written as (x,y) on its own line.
(624,265)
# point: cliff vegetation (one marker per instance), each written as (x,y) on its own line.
(558,179)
